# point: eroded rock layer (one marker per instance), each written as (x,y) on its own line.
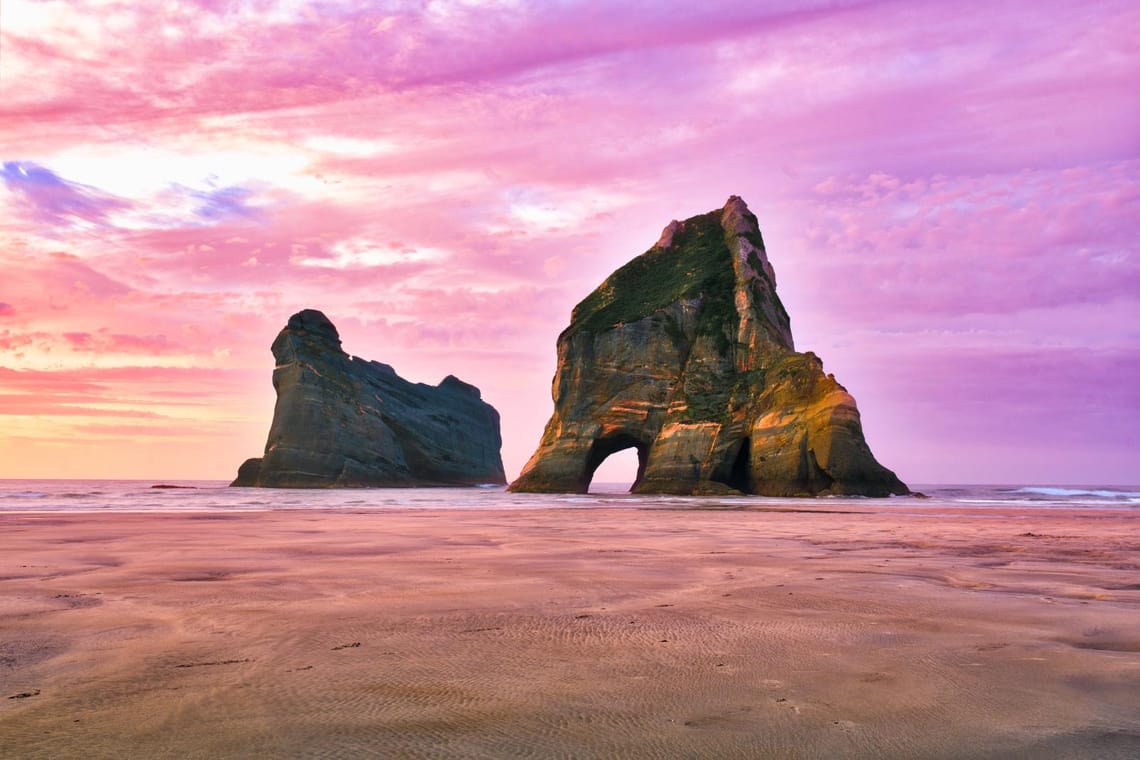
(344,421)
(686,354)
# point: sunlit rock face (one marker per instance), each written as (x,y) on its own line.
(686,354)
(344,421)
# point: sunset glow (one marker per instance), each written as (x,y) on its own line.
(949,194)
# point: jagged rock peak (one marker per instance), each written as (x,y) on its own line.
(686,354)
(453,383)
(314,325)
(344,421)
(717,258)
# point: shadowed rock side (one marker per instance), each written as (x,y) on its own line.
(344,421)
(686,354)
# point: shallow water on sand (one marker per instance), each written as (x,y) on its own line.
(205,495)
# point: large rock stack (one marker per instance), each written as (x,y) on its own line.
(686,354)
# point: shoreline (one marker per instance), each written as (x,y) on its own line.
(589,632)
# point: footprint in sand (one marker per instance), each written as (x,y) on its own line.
(785,702)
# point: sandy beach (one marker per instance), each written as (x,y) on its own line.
(605,633)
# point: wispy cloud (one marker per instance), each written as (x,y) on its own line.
(50,200)
(446,179)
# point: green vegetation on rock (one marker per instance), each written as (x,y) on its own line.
(697,263)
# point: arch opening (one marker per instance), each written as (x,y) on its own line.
(603,448)
(740,471)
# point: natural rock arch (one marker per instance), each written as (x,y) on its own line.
(603,448)
(687,352)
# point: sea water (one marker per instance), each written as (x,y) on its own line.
(208,496)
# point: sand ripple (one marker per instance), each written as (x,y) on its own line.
(543,635)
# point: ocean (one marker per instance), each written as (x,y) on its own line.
(209,495)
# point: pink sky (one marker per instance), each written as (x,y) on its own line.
(949,193)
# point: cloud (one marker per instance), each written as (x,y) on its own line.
(125,391)
(50,199)
(11,404)
(446,180)
(917,251)
(222,203)
(59,278)
(104,341)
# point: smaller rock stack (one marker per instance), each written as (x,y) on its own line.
(344,421)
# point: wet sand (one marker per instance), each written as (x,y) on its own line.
(571,633)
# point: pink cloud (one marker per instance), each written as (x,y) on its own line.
(446,182)
(55,278)
(259,60)
(123,384)
(36,406)
(104,342)
(925,249)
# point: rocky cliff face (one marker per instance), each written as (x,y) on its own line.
(344,421)
(686,354)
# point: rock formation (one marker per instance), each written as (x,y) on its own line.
(344,421)
(685,353)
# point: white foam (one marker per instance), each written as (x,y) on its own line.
(1102,493)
